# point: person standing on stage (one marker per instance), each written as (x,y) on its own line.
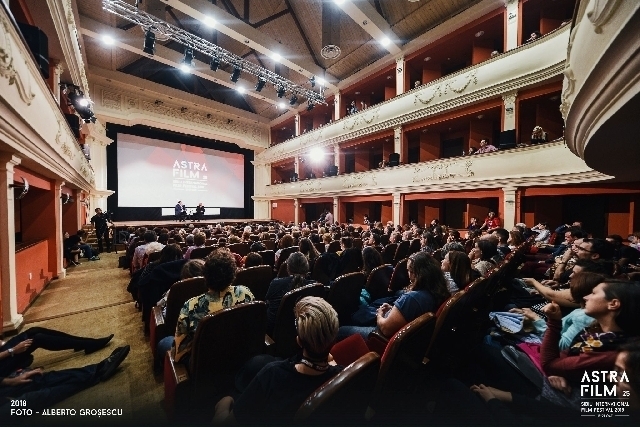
(199,212)
(101,224)
(181,211)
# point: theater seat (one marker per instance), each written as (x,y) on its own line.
(344,295)
(257,279)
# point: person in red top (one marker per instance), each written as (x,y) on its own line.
(491,222)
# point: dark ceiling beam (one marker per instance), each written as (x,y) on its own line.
(304,36)
(170,11)
(127,26)
(246,10)
(379,8)
(231,8)
(270,18)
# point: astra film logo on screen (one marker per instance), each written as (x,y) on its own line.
(189,176)
(604,394)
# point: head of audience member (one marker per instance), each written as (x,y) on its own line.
(253,259)
(473,221)
(346,243)
(317,327)
(149,236)
(491,214)
(483,143)
(170,253)
(615,240)
(371,259)
(307,248)
(589,266)
(582,284)
(199,239)
(453,236)
(298,268)
(628,361)
(222,242)
(163,238)
(543,225)
(425,274)
(488,249)
(515,238)
(458,265)
(452,246)
(593,249)
(374,240)
(219,270)
(615,304)
(189,239)
(503,236)
(192,268)
(428,240)
(395,237)
(257,247)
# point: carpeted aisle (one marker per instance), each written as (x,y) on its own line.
(92,301)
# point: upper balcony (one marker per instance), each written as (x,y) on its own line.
(522,67)
(35,128)
(545,164)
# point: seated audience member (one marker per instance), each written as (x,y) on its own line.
(588,249)
(564,227)
(44,389)
(491,222)
(456,267)
(623,255)
(473,224)
(615,306)
(16,353)
(515,239)
(70,250)
(628,361)
(297,268)
(77,241)
(219,272)
(427,290)
(503,239)
(483,255)
(190,269)
(485,147)
(428,243)
(257,247)
(308,250)
(285,242)
(534,36)
(542,232)
(198,242)
(253,259)
(138,253)
(274,395)
(371,259)
(538,136)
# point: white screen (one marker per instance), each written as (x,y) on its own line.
(156,173)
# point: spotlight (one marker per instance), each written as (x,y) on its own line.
(214,63)
(320,81)
(280,91)
(385,41)
(210,22)
(241,89)
(83,102)
(236,74)
(260,84)
(281,105)
(188,58)
(185,68)
(149,43)
(293,99)
(313,81)
(310,106)
(107,40)
(276,56)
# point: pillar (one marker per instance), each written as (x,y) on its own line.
(509,207)
(397,219)
(338,159)
(262,209)
(400,76)
(11,320)
(57,72)
(296,166)
(57,267)
(337,104)
(398,144)
(509,110)
(336,203)
(511,25)
(296,211)
(297,124)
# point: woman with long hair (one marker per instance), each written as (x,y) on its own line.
(457,270)
(371,259)
(309,250)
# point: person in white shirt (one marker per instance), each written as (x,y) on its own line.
(485,147)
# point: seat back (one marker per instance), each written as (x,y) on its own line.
(344,397)
(320,247)
(154,256)
(334,247)
(282,271)
(402,251)
(389,252)
(415,246)
(378,281)
(325,268)
(357,243)
(269,244)
(344,295)
(284,255)
(179,293)
(241,249)
(350,261)
(400,276)
(218,353)
(201,253)
(257,279)
(384,240)
(268,257)
(284,332)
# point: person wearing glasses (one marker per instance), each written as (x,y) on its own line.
(274,395)
(588,249)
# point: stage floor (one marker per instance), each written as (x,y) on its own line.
(174,223)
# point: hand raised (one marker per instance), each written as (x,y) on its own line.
(552,311)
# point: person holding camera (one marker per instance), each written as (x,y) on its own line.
(100,222)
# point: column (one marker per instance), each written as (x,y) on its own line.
(512,23)
(57,265)
(57,72)
(296,211)
(11,320)
(338,159)
(336,201)
(397,219)
(398,145)
(509,111)
(509,207)
(296,166)
(297,124)
(262,209)
(337,104)
(400,76)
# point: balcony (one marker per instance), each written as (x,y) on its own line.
(546,164)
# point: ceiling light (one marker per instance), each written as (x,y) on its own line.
(293,99)
(210,22)
(320,81)
(214,63)
(480,33)
(276,56)
(260,84)
(236,74)
(316,154)
(83,102)
(338,1)
(281,105)
(185,68)
(241,89)
(107,39)
(427,59)
(149,43)
(385,41)
(280,91)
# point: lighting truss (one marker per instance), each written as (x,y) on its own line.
(163,31)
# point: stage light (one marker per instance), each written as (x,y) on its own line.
(260,84)
(236,74)
(310,106)
(188,59)
(185,68)
(210,21)
(320,81)
(338,1)
(214,63)
(316,155)
(83,102)
(280,91)
(276,57)
(241,89)
(385,41)
(293,99)
(282,105)
(149,43)
(107,40)
(313,81)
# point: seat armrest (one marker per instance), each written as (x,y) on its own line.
(156,314)
(377,342)
(178,370)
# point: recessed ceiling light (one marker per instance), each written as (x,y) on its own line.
(107,39)
(480,33)
(185,68)
(210,22)
(389,77)
(385,41)
(276,56)
(427,59)
(357,93)
(281,105)
(320,81)
(241,89)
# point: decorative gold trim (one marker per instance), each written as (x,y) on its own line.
(8,70)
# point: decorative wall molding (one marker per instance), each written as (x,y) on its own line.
(22,81)
(600,13)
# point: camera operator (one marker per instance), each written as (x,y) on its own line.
(101,223)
